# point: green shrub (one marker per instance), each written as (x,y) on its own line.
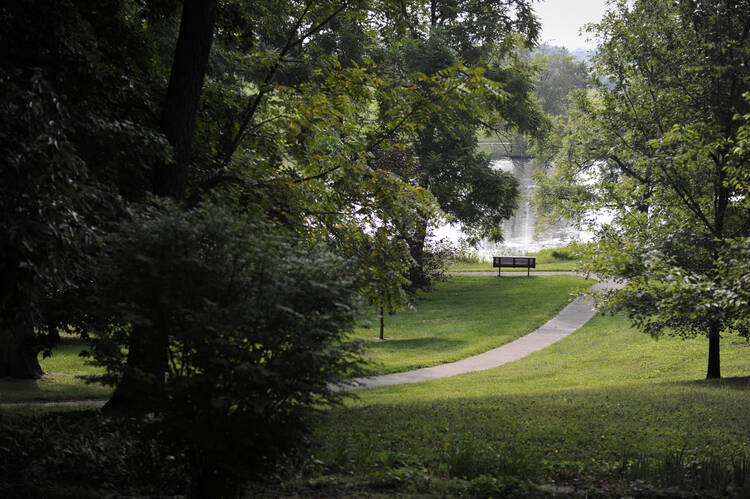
(252,325)
(569,252)
(83,454)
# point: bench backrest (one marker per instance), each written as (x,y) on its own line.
(514,261)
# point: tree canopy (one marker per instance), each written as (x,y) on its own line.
(172,167)
(655,146)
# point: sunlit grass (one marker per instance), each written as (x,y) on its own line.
(582,407)
(467,315)
(563,259)
(60,382)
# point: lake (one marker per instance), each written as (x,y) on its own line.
(520,231)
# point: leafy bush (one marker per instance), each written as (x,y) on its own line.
(571,251)
(253,327)
(436,256)
(82,454)
(463,253)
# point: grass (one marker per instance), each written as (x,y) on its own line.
(467,315)
(605,407)
(553,266)
(551,259)
(61,380)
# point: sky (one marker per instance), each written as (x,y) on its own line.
(561,20)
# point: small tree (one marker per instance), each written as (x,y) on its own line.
(659,145)
(254,326)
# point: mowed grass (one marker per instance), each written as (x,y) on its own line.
(464,316)
(595,404)
(552,266)
(563,259)
(61,380)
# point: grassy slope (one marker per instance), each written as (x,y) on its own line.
(585,403)
(467,315)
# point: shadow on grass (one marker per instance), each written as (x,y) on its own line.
(587,428)
(736,383)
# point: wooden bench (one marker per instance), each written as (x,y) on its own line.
(516,262)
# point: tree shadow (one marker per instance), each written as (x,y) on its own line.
(735,382)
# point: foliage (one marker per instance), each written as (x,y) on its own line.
(436,254)
(458,60)
(254,341)
(655,146)
(560,74)
(82,454)
(75,108)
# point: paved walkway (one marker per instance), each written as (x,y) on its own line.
(573,316)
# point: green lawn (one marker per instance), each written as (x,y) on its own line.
(557,266)
(467,315)
(564,258)
(602,408)
(60,381)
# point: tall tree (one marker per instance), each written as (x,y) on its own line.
(561,72)
(77,136)
(478,40)
(142,383)
(655,145)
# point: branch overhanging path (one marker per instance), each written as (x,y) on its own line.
(573,316)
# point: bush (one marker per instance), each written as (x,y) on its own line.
(436,256)
(253,326)
(82,454)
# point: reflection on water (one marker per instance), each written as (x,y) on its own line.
(519,231)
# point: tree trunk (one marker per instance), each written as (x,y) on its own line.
(18,342)
(18,353)
(183,94)
(382,323)
(714,357)
(417,274)
(141,387)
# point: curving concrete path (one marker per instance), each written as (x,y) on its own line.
(573,316)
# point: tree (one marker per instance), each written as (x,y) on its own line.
(77,137)
(655,144)
(560,73)
(471,80)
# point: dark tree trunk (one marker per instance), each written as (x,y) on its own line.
(18,352)
(183,94)
(382,323)
(18,343)
(141,387)
(714,357)
(417,274)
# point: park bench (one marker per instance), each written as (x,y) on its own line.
(516,262)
